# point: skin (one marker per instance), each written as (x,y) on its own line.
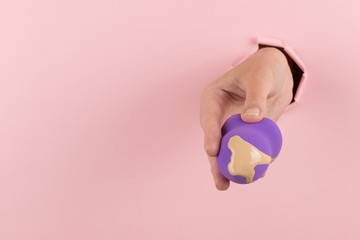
(262,81)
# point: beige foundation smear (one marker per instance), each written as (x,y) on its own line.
(244,158)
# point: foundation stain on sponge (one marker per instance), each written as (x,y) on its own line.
(244,158)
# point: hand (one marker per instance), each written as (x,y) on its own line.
(261,86)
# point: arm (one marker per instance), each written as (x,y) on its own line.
(261,86)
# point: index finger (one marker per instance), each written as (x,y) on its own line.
(211,112)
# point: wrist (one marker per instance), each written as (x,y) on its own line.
(277,61)
(296,66)
(274,52)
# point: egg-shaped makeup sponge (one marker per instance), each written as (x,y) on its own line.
(247,149)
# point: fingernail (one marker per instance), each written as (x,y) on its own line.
(253,111)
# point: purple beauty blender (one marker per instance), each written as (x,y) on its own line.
(247,149)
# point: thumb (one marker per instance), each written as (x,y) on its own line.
(254,109)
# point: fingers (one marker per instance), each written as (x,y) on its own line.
(210,119)
(212,107)
(221,182)
(257,91)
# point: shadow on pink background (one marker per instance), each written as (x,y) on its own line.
(100,135)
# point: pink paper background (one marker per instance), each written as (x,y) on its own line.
(99,126)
